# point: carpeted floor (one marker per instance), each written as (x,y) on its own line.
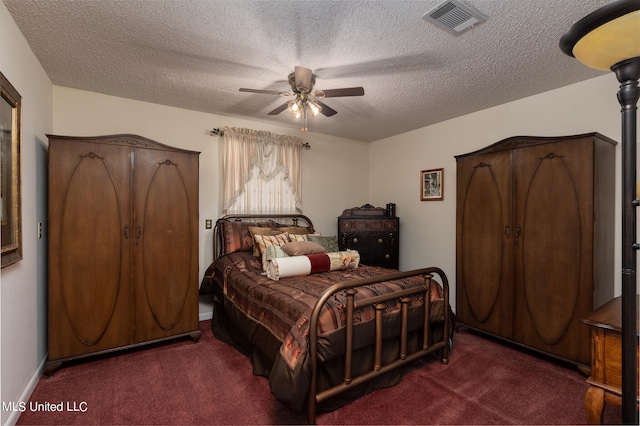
(181,382)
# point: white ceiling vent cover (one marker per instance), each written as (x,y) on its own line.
(454,16)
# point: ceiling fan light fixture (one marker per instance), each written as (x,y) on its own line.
(314,107)
(294,107)
(305,101)
(300,108)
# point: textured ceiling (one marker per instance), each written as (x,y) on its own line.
(196,54)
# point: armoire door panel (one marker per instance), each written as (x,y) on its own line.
(166,264)
(554,253)
(484,248)
(91,228)
(89,254)
(551,203)
(482,225)
(166,245)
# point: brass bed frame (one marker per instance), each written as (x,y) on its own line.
(315,397)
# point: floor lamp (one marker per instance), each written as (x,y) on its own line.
(609,39)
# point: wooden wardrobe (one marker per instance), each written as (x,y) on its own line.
(535,240)
(123,244)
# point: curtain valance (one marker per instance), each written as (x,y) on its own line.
(270,153)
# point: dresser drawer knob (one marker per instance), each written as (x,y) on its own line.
(355,241)
(387,256)
(380,241)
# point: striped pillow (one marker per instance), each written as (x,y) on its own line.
(263,241)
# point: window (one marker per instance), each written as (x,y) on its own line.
(261,171)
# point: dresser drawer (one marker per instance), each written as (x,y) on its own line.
(375,248)
(367,225)
(375,240)
(373,233)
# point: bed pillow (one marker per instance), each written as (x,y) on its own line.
(294,229)
(298,237)
(298,248)
(274,252)
(235,236)
(295,266)
(259,230)
(348,259)
(330,243)
(263,241)
(302,237)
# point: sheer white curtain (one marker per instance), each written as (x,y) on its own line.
(261,172)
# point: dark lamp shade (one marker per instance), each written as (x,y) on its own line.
(606,37)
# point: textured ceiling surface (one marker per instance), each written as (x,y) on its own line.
(196,54)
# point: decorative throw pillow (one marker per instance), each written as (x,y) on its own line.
(259,230)
(235,237)
(298,248)
(263,241)
(330,243)
(294,266)
(348,259)
(301,237)
(274,252)
(294,229)
(297,237)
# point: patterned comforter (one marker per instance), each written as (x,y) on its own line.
(283,307)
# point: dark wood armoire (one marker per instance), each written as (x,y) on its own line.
(123,244)
(535,240)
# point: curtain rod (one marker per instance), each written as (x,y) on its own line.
(218,132)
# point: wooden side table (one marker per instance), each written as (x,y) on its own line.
(606,359)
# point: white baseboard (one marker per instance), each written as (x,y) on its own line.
(31,386)
(206,307)
(206,316)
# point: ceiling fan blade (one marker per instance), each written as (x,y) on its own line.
(335,93)
(266,92)
(279,109)
(326,109)
(303,79)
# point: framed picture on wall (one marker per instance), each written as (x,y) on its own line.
(10,190)
(432,185)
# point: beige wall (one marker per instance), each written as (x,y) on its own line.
(23,287)
(335,171)
(428,228)
(337,174)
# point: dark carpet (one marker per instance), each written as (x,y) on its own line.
(485,382)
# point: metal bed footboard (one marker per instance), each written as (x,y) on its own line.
(315,397)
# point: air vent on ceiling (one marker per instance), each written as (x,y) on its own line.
(454,16)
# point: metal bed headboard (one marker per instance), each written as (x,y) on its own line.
(291,218)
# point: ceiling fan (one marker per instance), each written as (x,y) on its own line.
(302,81)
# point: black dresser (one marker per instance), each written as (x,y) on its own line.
(371,231)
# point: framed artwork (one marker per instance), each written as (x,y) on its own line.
(432,185)
(10,191)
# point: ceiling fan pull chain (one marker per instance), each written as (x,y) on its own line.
(304,119)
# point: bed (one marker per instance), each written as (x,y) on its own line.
(321,327)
